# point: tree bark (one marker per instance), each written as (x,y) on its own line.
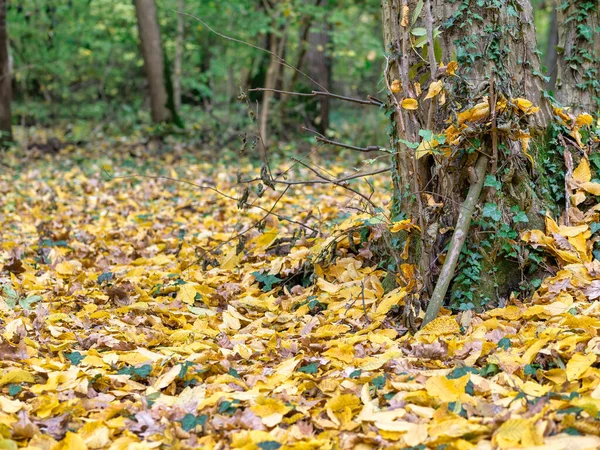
(152,53)
(277,46)
(318,67)
(5,80)
(552,52)
(484,38)
(578,83)
(178,55)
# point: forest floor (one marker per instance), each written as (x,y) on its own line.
(130,319)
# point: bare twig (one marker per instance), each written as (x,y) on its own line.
(321,138)
(363,301)
(337,183)
(211,188)
(369,101)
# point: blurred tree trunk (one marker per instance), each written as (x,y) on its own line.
(277,46)
(484,38)
(551,51)
(578,83)
(178,55)
(153,58)
(318,67)
(5,80)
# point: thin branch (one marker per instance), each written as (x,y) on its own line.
(337,183)
(369,101)
(370,148)
(211,188)
(269,212)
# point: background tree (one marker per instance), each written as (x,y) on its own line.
(179,43)
(154,61)
(578,84)
(5,80)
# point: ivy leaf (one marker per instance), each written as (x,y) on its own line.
(520,217)
(491,181)
(269,445)
(491,210)
(504,344)
(28,302)
(266,280)
(311,368)
(74,357)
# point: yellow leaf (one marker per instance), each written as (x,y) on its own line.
(592,188)
(517,433)
(187,293)
(16,376)
(426,147)
(525,105)
(402,225)
(451,68)
(410,104)
(439,327)
(10,406)
(270,410)
(389,302)
(231,259)
(478,112)
(584,119)
(560,113)
(71,441)
(583,173)
(95,434)
(343,401)
(578,364)
(396,86)
(447,390)
(344,353)
(266,239)
(331,330)
(168,377)
(434,89)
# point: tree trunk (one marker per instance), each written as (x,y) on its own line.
(5,81)
(153,58)
(552,52)
(578,84)
(318,67)
(178,55)
(484,39)
(277,46)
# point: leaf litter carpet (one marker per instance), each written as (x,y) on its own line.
(121,327)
